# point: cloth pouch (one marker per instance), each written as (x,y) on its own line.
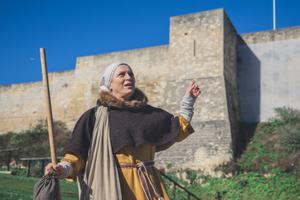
(46,188)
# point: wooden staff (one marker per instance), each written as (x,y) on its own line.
(49,110)
(48,104)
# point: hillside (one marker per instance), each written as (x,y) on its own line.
(268,169)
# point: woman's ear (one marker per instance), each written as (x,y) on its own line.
(104,88)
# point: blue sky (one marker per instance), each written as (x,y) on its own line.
(73,28)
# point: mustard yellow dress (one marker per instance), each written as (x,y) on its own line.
(130,178)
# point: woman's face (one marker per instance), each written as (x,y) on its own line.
(123,82)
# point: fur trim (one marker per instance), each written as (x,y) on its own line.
(137,100)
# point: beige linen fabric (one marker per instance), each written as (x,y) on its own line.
(100,179)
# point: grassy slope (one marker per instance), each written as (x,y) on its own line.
(249,186)
(269,168)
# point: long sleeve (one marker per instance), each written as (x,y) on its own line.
(187,107)
(77,164)
(185,129)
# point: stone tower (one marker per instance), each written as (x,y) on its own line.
(203,48)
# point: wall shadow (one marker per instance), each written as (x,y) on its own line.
(249,86)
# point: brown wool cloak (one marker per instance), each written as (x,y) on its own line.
(132,123)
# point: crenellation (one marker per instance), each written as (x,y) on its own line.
(271,36)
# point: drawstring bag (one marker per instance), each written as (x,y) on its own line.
(46,188)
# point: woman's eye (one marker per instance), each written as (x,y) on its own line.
(122,74)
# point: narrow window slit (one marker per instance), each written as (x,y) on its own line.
(194,47)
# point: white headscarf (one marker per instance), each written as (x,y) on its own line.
(106,78)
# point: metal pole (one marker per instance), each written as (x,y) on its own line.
(274,15)
(8,160)
(28,169)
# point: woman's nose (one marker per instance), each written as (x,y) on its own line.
(127,76)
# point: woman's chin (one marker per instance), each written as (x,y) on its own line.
(128,92)
(129,89)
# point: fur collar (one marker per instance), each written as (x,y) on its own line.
(137,100)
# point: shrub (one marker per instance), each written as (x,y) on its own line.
(34,142)
(275,144)
(287,114)
(191,175)
(291,137)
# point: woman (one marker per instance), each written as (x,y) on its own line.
(112,148)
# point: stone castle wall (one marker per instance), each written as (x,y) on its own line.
(203,47)
(269,67)
(22,104)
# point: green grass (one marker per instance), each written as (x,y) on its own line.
(277,185)
(252,186)
(20,188)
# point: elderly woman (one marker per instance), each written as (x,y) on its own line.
(112,148)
